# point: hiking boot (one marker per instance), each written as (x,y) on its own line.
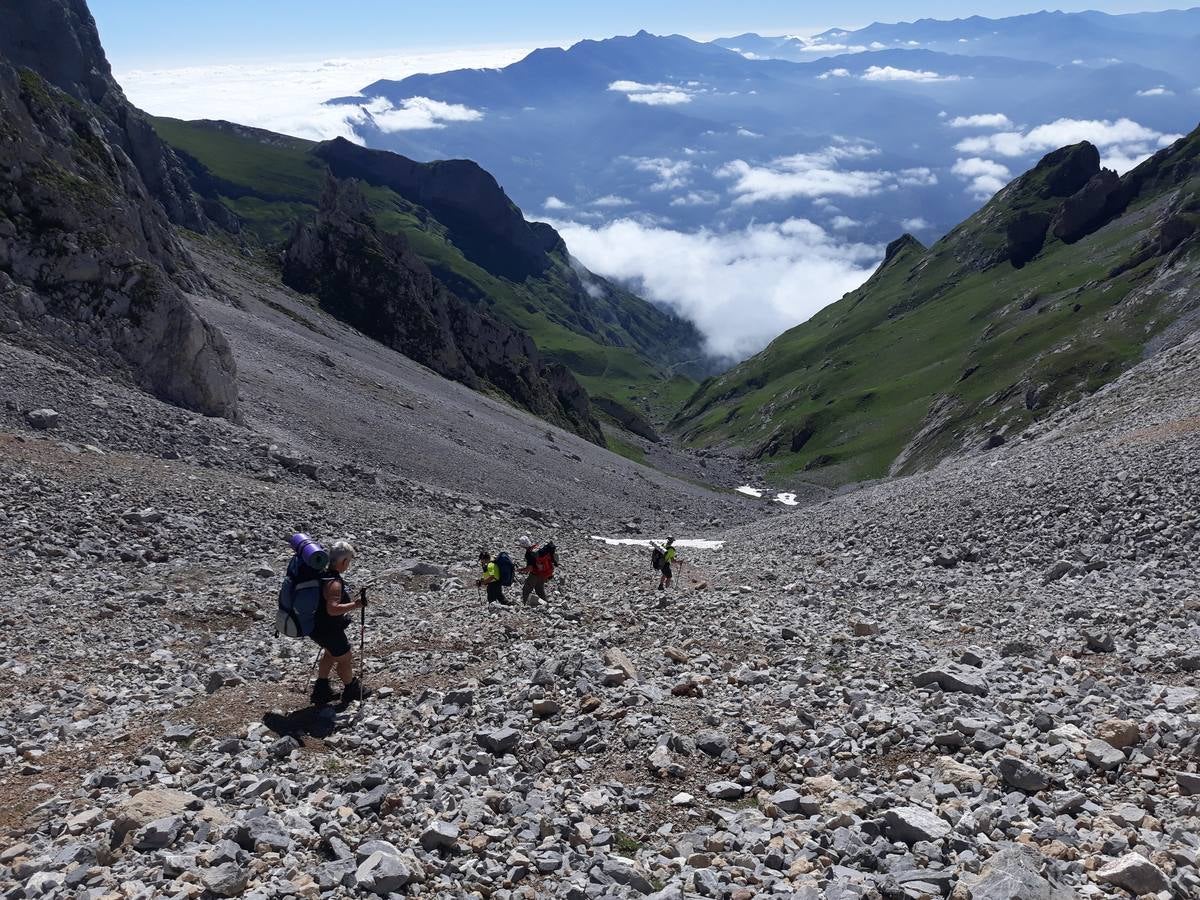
(353,691)
(322,693)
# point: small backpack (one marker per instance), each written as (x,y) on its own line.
(657,558)
(505,564)
(544,559)
(299,597)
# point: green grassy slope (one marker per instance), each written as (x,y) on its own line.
(963,344)
(615,343)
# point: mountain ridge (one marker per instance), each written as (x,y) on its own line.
(615,342)
(1050,291)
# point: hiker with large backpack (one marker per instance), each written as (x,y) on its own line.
(497,575)
(329,629)
(661,558)
(540,561)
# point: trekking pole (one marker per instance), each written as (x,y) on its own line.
(316,662)
(362,655)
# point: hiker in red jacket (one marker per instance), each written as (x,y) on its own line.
(539,568)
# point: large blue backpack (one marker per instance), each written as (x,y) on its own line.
(299,597)
(505,564)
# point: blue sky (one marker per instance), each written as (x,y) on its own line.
(149,32)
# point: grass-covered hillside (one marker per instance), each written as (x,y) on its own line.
(1067,277)
(470,234)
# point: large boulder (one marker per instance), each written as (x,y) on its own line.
(1136,874)
(953,677)
(911,824)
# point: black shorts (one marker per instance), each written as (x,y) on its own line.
(666,571)
(332,636)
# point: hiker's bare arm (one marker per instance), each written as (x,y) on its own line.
(333,600)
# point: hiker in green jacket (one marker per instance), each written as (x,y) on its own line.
(664,580)
(490,578)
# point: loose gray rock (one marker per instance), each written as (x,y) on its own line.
(952,678)
(382,873)
(1134,873)
(42,419)
(1022,775)
(225,880)
(439,835)
(499,741)
(1103,755)
(911,824)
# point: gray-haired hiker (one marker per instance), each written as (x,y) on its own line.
(538,569)
(333,618)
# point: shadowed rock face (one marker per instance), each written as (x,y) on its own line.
(374,281)
(58,40)
(483,222)
(89,265)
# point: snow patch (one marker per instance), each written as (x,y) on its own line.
(691,543)
(787,499)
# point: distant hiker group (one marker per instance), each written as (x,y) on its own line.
(315,603)
(499,572)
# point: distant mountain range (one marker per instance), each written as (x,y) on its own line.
(865,134)
(655,126)
(1166,40)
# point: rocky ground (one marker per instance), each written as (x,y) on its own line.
(977,683)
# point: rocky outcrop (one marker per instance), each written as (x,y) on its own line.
(482,221)
(1088,208)
(58,40)
(629,419)
(89,264)
(374,281)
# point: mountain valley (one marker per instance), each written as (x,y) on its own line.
(963,665)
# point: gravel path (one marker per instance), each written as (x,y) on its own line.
(977,683)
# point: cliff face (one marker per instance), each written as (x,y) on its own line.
(89,266)
(374,281)
(58,40)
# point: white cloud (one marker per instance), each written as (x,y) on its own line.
(842,223)
(817,175)
(612,201)
(741,288)
(417,114)
(915,224)
(288,97)
(833,48)
(747,133)
(922,177)
(663,98)
(697,198)
(973,167)
(553,203)
(834,73)
(669,174)
(984,177)
(891,73)
(983,120)
(651,94)
(1122,143)
(1159,91)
